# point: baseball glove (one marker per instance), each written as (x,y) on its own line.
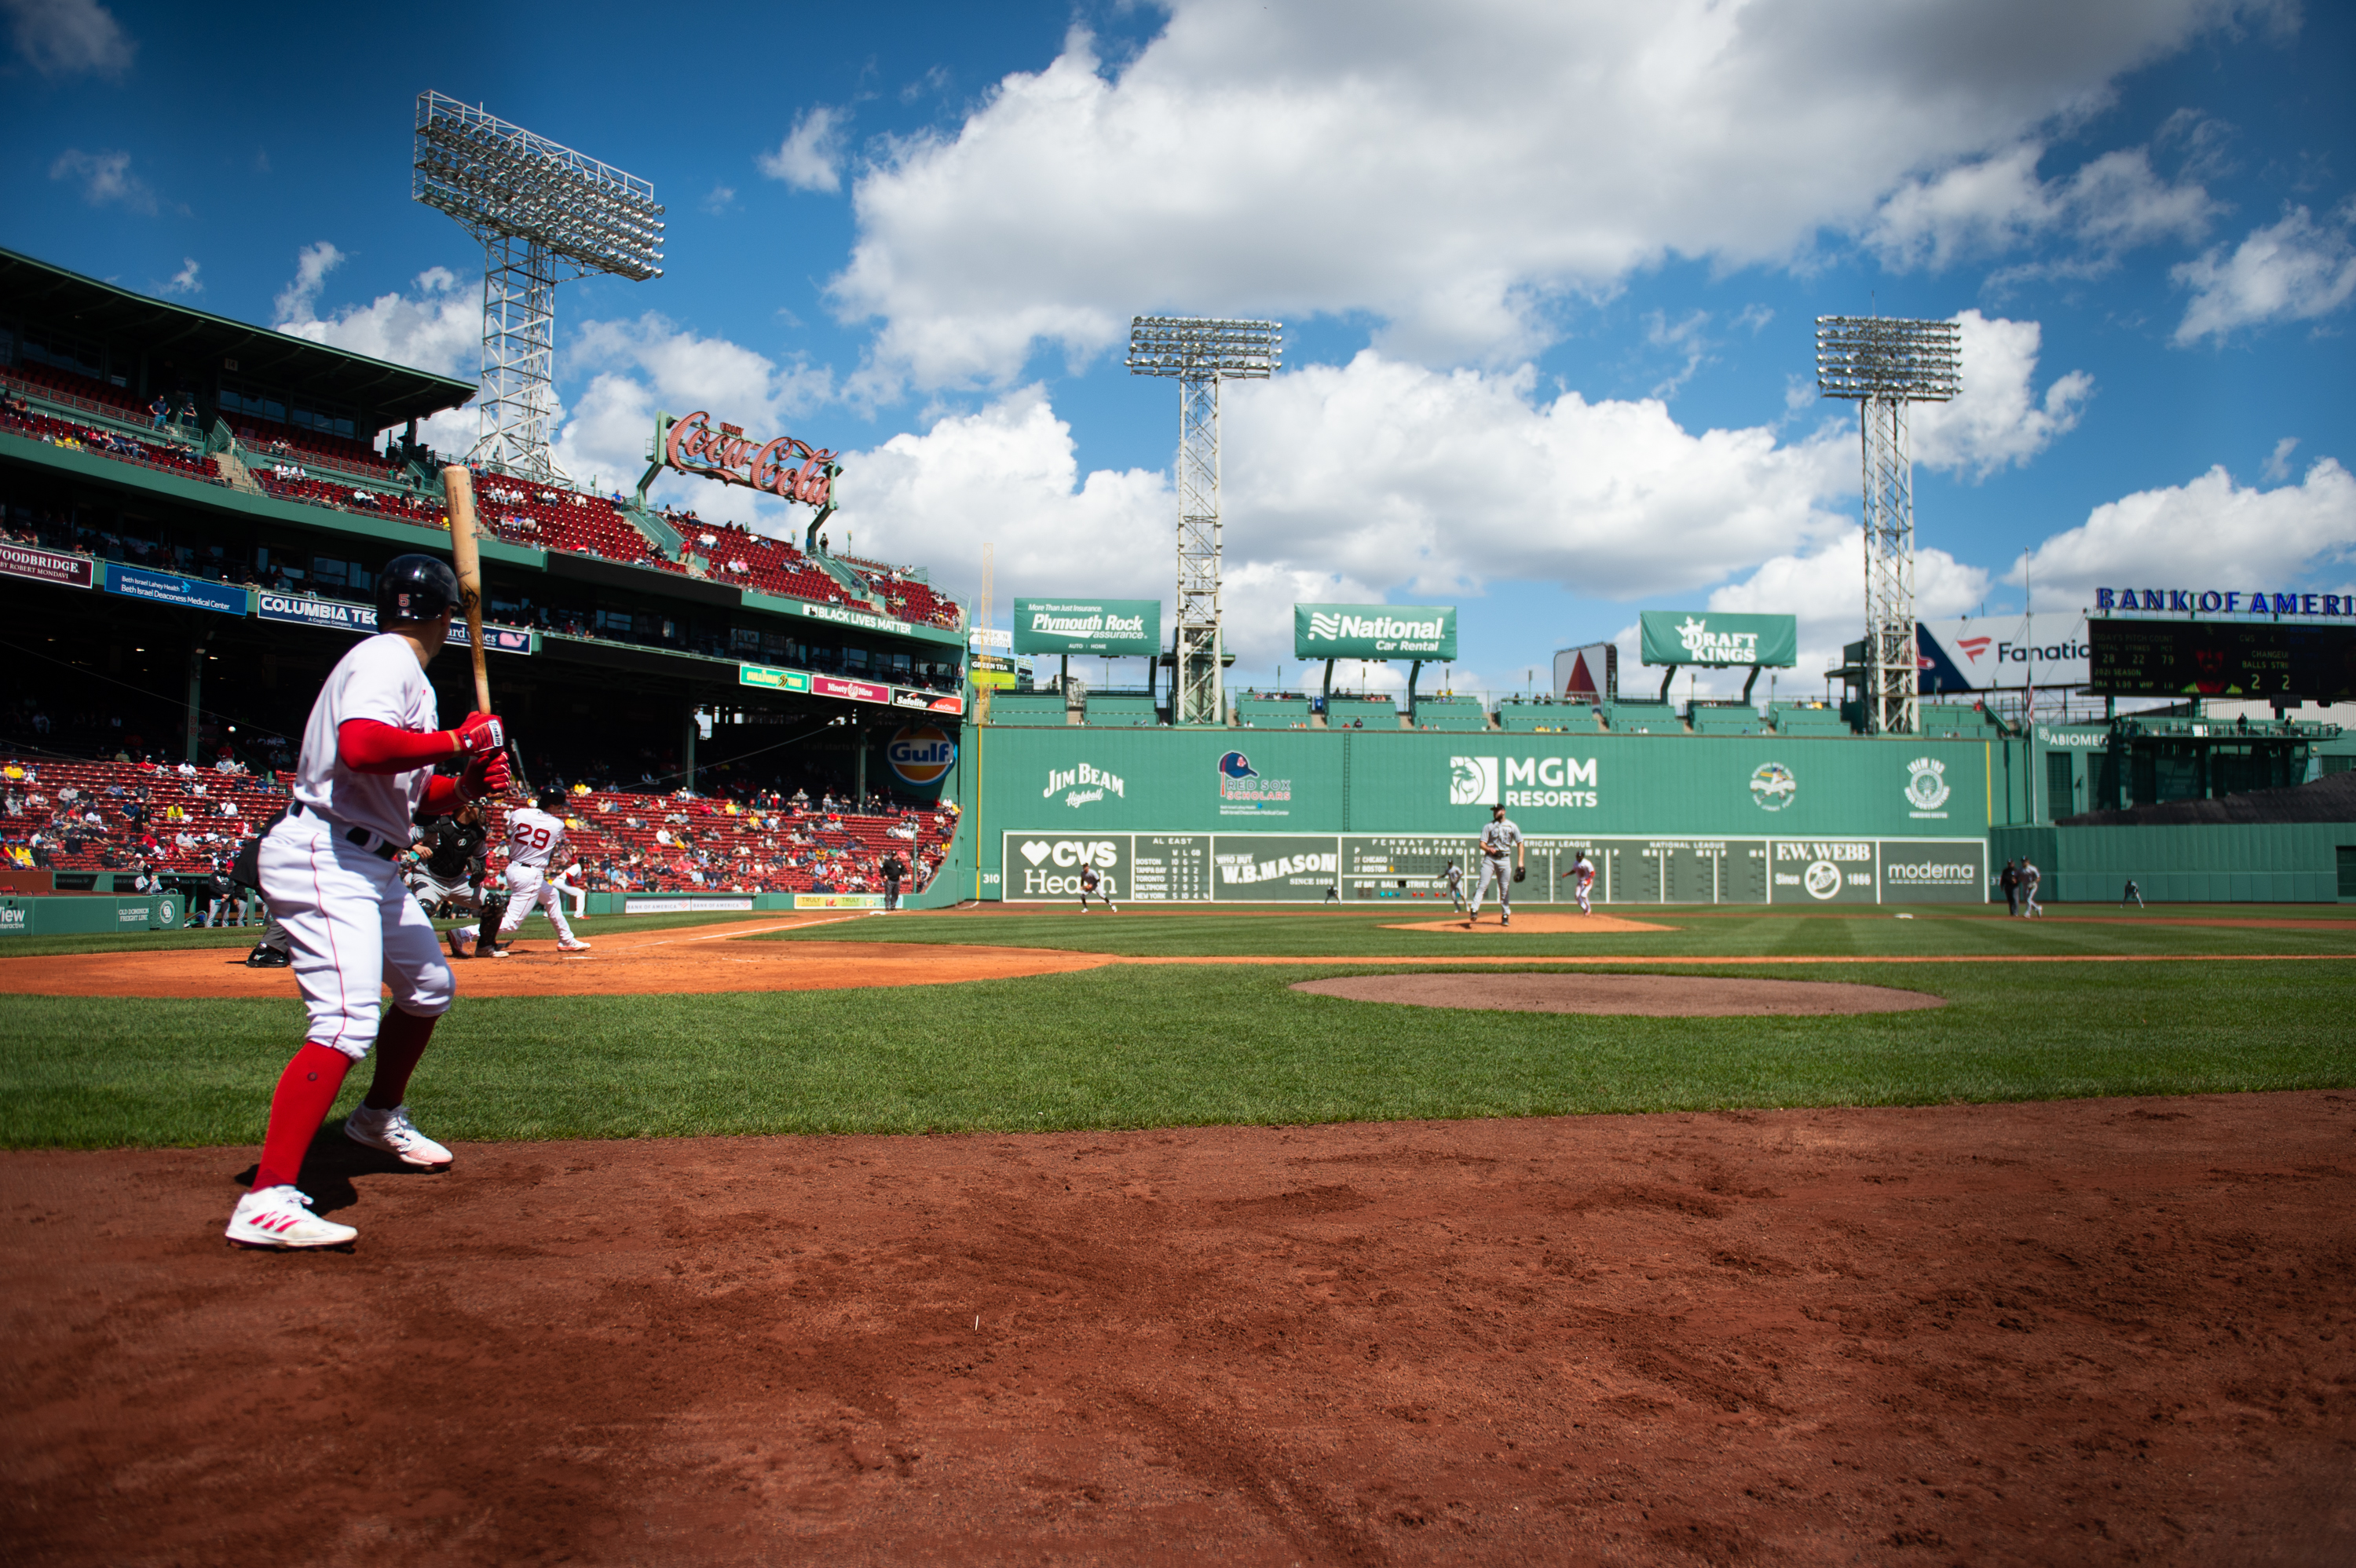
(1521,873)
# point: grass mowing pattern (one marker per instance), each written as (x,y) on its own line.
(1127,1047)
(1936,930)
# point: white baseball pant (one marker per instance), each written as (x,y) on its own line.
(527,886)
(1501,873)
(351,928)
(1585,886)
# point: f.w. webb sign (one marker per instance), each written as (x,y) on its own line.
(1374,631)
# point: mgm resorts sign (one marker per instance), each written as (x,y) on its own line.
(1374,631)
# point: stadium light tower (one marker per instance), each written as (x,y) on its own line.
(1883,364)
(1200,352)
(545,214)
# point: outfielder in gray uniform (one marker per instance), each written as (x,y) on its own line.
(1454,878)
(1498,840)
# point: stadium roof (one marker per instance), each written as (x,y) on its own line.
(395,392)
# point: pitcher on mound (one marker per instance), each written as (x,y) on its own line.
(1499,841)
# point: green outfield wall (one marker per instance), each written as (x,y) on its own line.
(1228,815)
(2224,862)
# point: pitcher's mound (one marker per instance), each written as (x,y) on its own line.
(1535,926)
(1644,996)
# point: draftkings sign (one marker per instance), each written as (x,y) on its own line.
(1681,637)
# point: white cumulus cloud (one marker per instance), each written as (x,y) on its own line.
(2000,419)
(2210,531)
(68,37)
(1991,205)
(435,324)
(2291,271)
(186,281)
(1461,181)
(1824,589)
(810,157)
(106,179)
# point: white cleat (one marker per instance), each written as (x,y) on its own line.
(281,1217)
(392,1132)
(570,945)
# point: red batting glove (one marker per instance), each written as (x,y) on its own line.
(486,775)
(480,732)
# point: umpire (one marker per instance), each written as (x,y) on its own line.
(892,873)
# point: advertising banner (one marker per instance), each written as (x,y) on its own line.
(171,587)
(681,903)
(2010,652)
(328,614)
(1374,631)
(990,640)
(920,754)
(773,678)
(1261,868)
(1113,628)
(838,901)
(849,690)
(47,566)
(496,639)
(1588,674)
(1683,637)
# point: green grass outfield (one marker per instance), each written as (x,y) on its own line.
(1131,1046)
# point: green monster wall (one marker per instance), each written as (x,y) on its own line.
(1262,816)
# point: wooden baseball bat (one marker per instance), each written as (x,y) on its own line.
(458,486)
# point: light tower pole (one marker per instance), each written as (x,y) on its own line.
(1883,364)
(544,214)
(1200,352)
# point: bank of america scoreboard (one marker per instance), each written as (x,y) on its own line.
(1410,869)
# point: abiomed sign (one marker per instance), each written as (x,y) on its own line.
(1111,628)
(1374,631)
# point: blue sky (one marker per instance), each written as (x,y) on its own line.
(1547,272)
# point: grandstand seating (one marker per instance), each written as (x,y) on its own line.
(1028,708)
(1360,713)
(266,438)
(716,845)
(1952,719)
(364,500)
(908,599)
(1729,719)
(1122,712)
(1808,719)
(1256,711)
(1451,713)
(543,519)
(164,456)
(1641,718)
(64,386)
(1544,717)
(766,565)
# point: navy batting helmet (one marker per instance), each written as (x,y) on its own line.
(415,588)
(551,801)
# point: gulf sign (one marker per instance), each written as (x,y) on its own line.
(920,754)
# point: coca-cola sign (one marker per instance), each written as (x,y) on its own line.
(793,469)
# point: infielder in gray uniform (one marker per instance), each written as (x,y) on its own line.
(1454,878)
(1498,839)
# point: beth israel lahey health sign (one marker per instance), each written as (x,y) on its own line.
(1113,628)
(1374,631)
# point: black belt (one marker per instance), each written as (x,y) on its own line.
(382,848)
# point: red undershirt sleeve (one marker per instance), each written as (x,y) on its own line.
(370,746)
(442,797)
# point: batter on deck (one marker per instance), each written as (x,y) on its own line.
(1500,841)
(329,869)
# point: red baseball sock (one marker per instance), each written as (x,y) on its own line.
(399,1040)
(307,1090)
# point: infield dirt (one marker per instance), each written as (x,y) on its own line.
(2086,1332)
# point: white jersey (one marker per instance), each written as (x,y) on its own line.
(1584,870)
(1500,838)
(1455,875)
(532,836)
(380,680)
